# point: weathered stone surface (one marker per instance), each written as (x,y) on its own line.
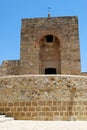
(37,54)
(38,97)
(46,43)
(49,88)
(10,67)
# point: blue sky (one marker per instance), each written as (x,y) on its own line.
(12,11)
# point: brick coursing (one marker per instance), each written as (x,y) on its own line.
(58,110)
(44,97)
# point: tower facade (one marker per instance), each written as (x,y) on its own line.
(50,46)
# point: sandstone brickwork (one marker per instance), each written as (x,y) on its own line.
(44,97)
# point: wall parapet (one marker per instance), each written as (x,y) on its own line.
(9,67)
(43,87)
(44,97)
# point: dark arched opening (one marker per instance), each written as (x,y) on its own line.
(49,55)
(50,71)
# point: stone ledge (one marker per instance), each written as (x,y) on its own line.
(42,75)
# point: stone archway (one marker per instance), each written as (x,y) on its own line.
(49,53)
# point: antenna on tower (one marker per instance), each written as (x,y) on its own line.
(49,8)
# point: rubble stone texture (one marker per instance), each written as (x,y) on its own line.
(44,97)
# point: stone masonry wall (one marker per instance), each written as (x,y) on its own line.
(34,59)
(9,67)
(84,73)
(39,97)
(65,29)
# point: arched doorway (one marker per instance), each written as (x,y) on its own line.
(49,55)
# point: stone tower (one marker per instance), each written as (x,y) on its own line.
(48,46)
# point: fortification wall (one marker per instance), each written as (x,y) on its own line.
(84,73)
(9,67)
(41,97)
